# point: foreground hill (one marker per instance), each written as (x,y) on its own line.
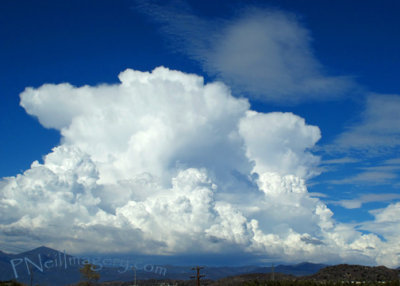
(338,275)
(345,272)
(259,277)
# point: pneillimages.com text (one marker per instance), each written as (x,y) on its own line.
(62,260)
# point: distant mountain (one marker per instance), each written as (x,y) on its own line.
(2,254)
(42,250)
(4,265)
(300,269)
(48,267)
(345,272)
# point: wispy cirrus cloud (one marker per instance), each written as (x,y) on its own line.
(368,198)
(368,177)
(394,161)
(374,139)
(378,128)
(263,53)
(338,161)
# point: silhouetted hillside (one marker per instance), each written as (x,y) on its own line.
(260,277)
(345,272)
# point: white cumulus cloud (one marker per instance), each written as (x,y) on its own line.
(162,163)
(279,142)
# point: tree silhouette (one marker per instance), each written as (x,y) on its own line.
(89,275)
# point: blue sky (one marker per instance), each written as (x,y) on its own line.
(322,75)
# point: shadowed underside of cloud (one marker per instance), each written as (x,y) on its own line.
(262,53)
(162,163)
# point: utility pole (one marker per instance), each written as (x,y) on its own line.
(273,273)
(31,274)
(198,276)
(134,271)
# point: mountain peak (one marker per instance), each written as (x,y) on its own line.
(40,250)
(2,254)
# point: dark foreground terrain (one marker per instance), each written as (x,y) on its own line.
(342,274)
(332,275)
(54,268)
